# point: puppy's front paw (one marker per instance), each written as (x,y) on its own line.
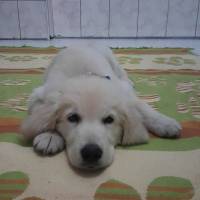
(48,143)
(166,127)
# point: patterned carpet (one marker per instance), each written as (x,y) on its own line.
(163,169)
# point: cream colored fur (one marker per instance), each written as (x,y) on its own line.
(75,82)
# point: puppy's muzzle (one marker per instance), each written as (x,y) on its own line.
(91,153)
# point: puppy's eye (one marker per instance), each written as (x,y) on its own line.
(108,120)
(74,118)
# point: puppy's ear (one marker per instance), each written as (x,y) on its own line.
(43,111)
(133,130)
(42,118)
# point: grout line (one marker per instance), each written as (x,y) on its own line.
(109,20)
(197,18)
(47,19)
(81,20)
(52,19)
(138,17)
(20,34)
(166,29)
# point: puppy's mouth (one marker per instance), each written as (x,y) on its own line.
(91,166)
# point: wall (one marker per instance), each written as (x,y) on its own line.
(26,19)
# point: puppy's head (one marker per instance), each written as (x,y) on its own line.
(93,116)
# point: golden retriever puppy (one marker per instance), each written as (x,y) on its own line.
(88,105)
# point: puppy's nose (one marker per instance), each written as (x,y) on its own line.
(91,153)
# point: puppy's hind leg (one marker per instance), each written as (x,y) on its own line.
(158,123)
(48,143)
(126,83)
